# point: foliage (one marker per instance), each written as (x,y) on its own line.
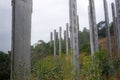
(4,66)
(42,48)
(105,65)
(39,51)
(47,69)
(84,36)
(90,69)
(116,63)
(101,29)
(96,67)
(66,66)
(53,69)
(85,47)
(63,46)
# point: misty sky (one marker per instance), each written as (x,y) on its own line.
(47,16)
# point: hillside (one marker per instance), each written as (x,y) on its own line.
(103,45)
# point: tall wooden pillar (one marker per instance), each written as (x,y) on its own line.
(21,39)
(60,47)
(107,27)
(55,44)
(93,27)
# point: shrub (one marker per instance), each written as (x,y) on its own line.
(116,63)
(97,67)
(48,69)
(104,63)
(90,69)
(54,69)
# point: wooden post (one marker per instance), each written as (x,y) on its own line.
(54,43)
(107,27)
(67,37)
(51,40)
(93,27)
(21,39)
(74,35)
(118,23)
(60,47)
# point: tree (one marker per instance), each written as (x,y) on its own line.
(101,29)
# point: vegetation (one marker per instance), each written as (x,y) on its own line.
(102,29)
(53,69)
(4,66)
(95,67)
(46,67)
(85,48)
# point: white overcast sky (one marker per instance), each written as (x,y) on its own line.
(47,16)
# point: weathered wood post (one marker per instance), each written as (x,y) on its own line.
(51,40)
(118,23)
(78,34)
(90,33)
(115,27)
(60,47)
(64,35)
(71,38)
(93,27)
(54,43)
(107,27)
(21,39)
(67,37)
(74,36)
(56,36)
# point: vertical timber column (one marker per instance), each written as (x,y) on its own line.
(51,39)
(54,43)
(114,23)
(91,32)
(21,39)
(93,27)
(118,23)
(60,49)
(71,32)
(64,35)
(107,27)
(78,34)
(57,36)
(67,37)
(74,37)
(71,35)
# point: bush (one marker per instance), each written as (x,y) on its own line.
(116,63)
(90,69)
(53,69)
(48,69)
(96,67)
(104,63)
